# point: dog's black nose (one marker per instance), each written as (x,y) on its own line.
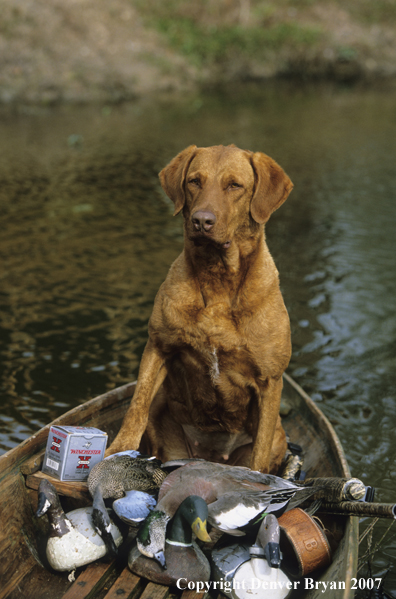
(203,220)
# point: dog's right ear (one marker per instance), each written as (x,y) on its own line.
(173,175)
(272,187)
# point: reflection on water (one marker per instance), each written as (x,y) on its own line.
(87,237)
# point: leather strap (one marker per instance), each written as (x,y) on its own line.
(303,543)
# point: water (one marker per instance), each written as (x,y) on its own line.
(87,237)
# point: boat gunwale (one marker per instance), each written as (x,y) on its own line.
(351,523)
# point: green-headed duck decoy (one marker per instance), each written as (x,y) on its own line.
(175,553)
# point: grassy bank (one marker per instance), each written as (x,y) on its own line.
(113,50)
(253,38)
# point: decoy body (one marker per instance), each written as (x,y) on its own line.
(134,507)
(253,571)
(123,472)
(178,556)
(237,497)
(118,477)
(73,541)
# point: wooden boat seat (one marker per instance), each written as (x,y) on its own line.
(32,471)
(77,490)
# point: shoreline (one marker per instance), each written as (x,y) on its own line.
(94,51)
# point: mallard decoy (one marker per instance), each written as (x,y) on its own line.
(253,571)
(177,556)
(73,541)
(237,497)
(114,478)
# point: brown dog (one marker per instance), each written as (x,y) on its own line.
(210,378)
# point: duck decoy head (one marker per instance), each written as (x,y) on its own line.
(102,523)
(268,538)
(48,502)
(191,516)
(198,512)
(47,498)
(151,536)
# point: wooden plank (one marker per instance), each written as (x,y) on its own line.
(33,464)
(40,583)
(155,591)
(78,490)
(18,576)
(194,594)
(127,586)
(90,581)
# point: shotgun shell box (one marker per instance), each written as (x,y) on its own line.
(72,451)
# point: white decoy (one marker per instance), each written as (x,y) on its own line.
(73,541)
(254,571)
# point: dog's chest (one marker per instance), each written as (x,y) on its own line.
(214,365)
(213,349)
(214,326)
(214,336)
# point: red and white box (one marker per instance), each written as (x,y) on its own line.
(72,451)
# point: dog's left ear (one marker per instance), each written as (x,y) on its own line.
(271,189)
(173,175)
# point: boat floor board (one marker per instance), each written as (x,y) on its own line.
(39,583)
(127,586)
(90,581)
(155,591)
(194,595)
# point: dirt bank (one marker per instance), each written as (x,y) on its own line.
(112,50)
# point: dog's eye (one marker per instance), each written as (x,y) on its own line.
(195,181)
(234,185)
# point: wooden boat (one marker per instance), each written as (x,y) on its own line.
(22,574)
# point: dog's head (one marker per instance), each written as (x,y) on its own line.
(224,191)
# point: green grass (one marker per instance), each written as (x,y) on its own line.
(233,33)
(215,44)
